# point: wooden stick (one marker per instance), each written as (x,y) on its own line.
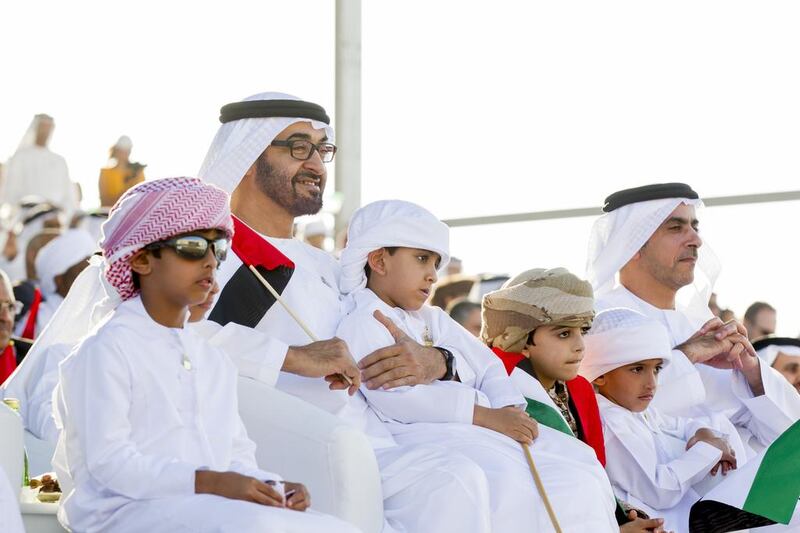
(540,487)
(296,318)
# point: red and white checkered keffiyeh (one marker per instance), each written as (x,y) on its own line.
(157,210)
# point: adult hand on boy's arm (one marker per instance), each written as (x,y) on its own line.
(329,359)
(236,487)
(406,362)
(727,461)
(510,421)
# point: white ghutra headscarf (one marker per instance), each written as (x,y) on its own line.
(619,337)
(239,143)
(617,236)
(389,223)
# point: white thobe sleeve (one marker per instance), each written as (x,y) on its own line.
(255,354)
(491,376)
(437,402)
(768,415)
(11,183)
(680,386)
(96,388)
(680,427)
(632,464)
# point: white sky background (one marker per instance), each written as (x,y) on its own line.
(470,108)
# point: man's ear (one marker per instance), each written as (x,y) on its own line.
(601,381)
(141,262)
(250,173)
(376,260)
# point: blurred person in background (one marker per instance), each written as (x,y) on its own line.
(58,263)
(90,221)
(466,313)
(760,319)
(316,231)
(27,290)
(486,283)
(34,169)
(12,350)
(455,266)
(451,288)
(782,354)
(22,222)
(124,174)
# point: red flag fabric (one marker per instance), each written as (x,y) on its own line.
(8,363)
(509,359)
(254,250)
(582,395)
(583,399)
(29,331)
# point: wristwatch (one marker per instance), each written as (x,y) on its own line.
(449,363)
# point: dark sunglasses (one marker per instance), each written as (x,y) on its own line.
(194,247)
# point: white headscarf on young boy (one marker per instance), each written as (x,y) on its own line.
(619,337)
(61,254)
(389,223)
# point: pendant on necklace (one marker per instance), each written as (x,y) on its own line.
(427,340)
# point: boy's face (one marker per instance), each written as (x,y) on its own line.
(557,351)
(181,281)
(631,386)
(198,312)
(407,277)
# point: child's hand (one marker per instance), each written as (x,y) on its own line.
(727,461)
(510,421)
(297,496)
(642,525)
(236,487)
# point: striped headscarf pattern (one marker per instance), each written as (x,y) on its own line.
(157,210)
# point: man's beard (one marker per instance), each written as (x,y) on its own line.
(283,190)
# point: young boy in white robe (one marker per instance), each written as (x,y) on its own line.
(151,439)
(388,267)
(535,324)
(659,463)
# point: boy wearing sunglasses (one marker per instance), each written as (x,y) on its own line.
(151,438)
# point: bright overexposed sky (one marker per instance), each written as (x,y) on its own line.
(469,108)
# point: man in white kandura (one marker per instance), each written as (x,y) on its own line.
(270,153)
(650,236)
(36,170)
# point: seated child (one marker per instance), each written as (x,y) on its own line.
(535,324)
(151,438)
(388,267)
(658,463)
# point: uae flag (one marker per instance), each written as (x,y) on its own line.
(762,492)
(244,300)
